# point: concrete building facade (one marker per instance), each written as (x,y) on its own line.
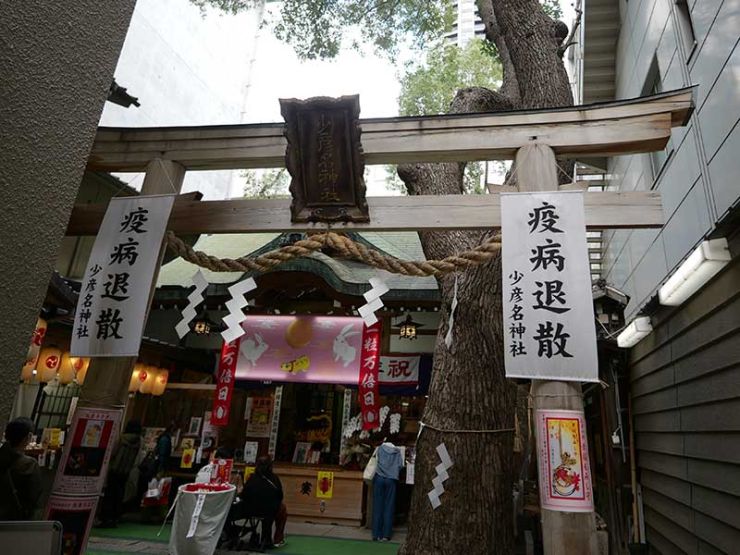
(187,67)
(684,376)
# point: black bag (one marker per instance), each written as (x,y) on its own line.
(12,503)
(148,466)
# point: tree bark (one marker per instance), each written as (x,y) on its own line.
(469,390)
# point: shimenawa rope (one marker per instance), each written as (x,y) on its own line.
(346,248)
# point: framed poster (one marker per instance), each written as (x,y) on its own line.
(85,458)
(194,427)
(301,452)
(564,468)
(261,418)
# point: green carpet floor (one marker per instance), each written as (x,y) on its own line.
(131,531)
(296,545)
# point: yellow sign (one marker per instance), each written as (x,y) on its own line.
(188,455)
(325,485)
(55,436)
(248,471)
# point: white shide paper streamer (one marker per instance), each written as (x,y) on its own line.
(442,475)
(374,303)
(194,299)
(235,317)
(451,321)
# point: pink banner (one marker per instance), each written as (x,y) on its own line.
(308,349)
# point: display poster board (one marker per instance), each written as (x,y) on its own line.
(564,468)
(250,452)
(550,332)
(82,468)
(114,294)
(76,514)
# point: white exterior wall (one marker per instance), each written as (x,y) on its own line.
(186,68)
(698,181)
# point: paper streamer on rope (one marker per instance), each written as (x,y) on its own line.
(451,321)
(194,299)
(235,317)
(374,303)
(196,515)
(442,475)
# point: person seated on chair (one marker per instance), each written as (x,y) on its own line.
(263,498)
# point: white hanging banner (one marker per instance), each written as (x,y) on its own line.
(399,370)
(114,295)
(549,329)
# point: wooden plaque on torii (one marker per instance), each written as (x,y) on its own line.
(324,159)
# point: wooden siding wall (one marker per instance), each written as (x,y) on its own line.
(685,387)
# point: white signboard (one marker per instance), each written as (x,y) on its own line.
(399,370)
(549,329)
(115,290)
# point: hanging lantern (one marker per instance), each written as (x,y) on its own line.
(160,382)
(134,384)
(48,363)
(80,364)
(407,328)
(203,325)
(32,356)
(147,378)
(66,369)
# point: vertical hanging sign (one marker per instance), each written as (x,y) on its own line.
(564,468)
(368,381)
(272,444)
(547,301)
(114,295)
(224,383)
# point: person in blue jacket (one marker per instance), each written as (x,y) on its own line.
(385,482)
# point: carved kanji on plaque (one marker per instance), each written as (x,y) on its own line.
(324,158)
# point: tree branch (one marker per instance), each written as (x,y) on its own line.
(510,85)
(568,42)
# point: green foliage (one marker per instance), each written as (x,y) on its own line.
(318,29)
(266,183)
(552,8)
(429,87)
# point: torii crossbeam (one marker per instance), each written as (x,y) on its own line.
(597,130)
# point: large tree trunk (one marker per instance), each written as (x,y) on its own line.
(469,390)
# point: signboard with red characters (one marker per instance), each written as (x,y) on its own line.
(368,382)
(399,370)
(221,472)
(225,376)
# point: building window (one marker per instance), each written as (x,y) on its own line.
(685,27)
(654,85)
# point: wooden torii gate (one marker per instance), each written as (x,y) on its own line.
(581,132)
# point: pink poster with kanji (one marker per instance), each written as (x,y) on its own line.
(308,349)
(565,472)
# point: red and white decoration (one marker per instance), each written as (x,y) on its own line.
(368,383)
(225,383)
